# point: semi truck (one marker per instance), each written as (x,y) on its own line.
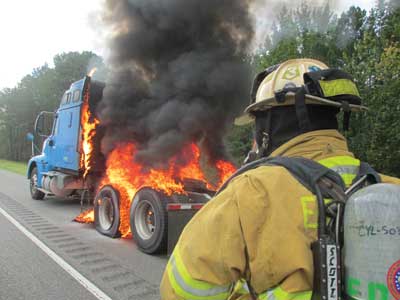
(55,170)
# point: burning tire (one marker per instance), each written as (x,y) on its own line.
(148,219)
(106,212)
(35,193)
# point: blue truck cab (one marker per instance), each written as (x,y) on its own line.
(57,171)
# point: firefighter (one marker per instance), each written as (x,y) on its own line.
(252,241)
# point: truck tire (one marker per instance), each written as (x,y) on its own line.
(106,212)
(149,221)
(35,193)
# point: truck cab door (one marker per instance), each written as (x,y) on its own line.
(67,131)
(45,126)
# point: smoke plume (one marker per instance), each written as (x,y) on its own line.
(177,73)
(267,12)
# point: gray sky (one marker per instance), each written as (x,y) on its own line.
(366,4)
(32,32)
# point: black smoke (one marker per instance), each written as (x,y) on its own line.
(178,74)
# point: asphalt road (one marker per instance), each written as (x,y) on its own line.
(115,266)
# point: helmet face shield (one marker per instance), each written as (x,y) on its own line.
(332,84)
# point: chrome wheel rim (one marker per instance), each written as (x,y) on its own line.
(106,212)
(33,183)
(145,221)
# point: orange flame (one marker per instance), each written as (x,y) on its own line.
(91,72)
(225,170)
(128,176)
(86,216)
(88,124)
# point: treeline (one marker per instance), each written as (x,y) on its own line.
(365,44)
(40,91)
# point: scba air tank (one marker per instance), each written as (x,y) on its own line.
(372,243)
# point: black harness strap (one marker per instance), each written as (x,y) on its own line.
(366,170)
(306,171)
(301,110)
(346,115)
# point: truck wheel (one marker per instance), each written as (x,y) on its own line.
(148,219)
(35,193)
(106,212)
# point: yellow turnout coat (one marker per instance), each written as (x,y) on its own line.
(258,229)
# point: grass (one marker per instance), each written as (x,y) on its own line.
(13,166)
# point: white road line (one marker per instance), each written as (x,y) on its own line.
(99,294)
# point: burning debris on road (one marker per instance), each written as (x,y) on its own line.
(86,217)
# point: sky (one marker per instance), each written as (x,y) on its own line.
(32,32)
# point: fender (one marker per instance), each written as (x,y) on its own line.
(42,166)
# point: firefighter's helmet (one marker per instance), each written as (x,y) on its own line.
(278,86)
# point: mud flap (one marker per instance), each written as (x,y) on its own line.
(177,220)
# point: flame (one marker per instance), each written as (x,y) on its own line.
(225,170)
(128,176)
(91,72)
(88,124)
(86,216)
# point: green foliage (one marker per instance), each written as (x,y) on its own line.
(375,63)
(38,91)
(13,166)
(239,142)
(367,45)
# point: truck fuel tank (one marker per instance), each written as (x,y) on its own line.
(61,184)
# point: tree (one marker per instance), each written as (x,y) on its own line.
(365,45)
(375,64)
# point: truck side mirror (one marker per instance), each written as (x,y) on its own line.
(43,123)
(39,124)
(30,137)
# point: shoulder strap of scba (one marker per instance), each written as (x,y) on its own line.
(324,183)
(306,171)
